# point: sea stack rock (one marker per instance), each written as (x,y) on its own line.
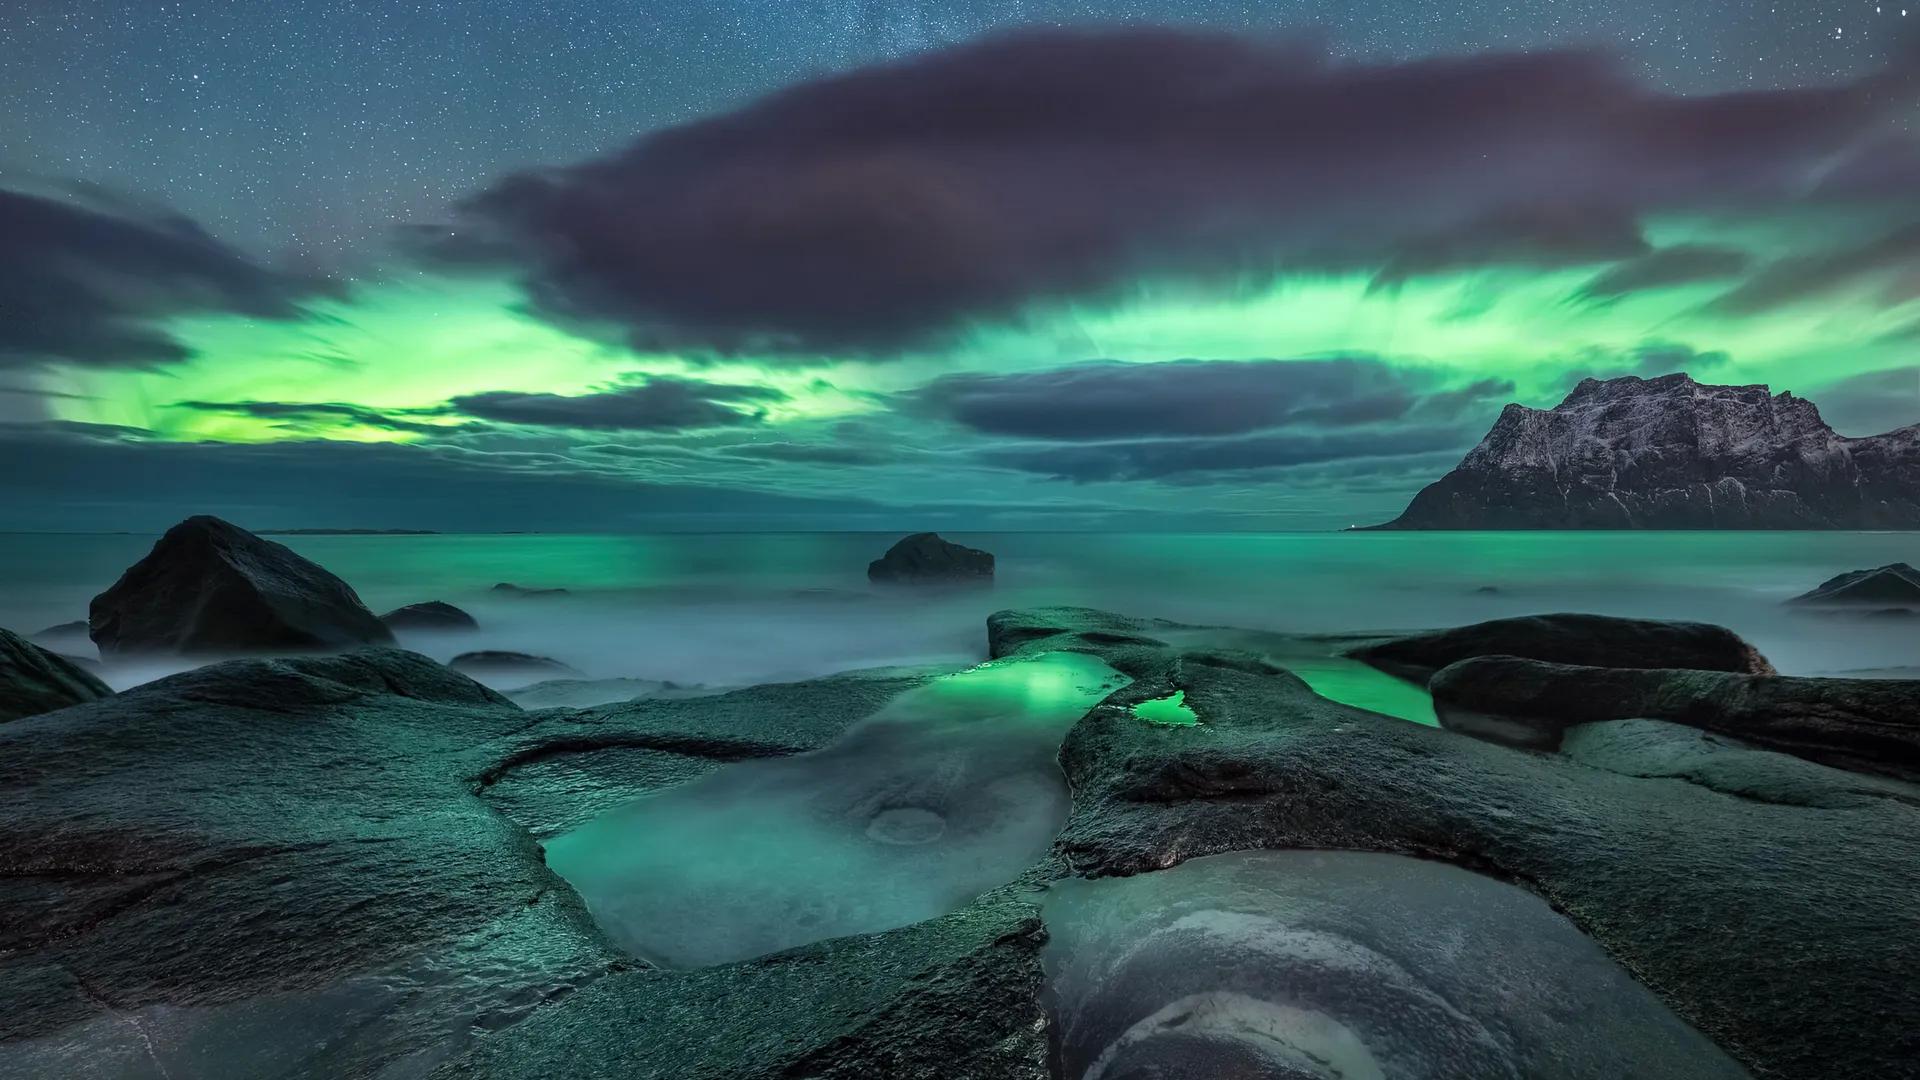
(925,559)
(1670,453)
(35,681)
(432,615)
(1893,585)
(212,587)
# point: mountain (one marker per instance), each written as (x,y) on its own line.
(1670,453)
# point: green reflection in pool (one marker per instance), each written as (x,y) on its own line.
(1169,711)
(1351,682)
(951,789)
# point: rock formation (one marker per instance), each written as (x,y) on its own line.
(331,866)
(925,559)
(35,681)
(1891,586)
(1592,640)
(1670,453)
(1867,725)
(432,615)
(508,588)
(211,587)
(500,664)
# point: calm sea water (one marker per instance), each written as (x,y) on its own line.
(743,608)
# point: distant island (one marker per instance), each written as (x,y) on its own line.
(349,532)
(1671,453)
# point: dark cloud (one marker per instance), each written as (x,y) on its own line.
(88,282)
(1683,264)
(659,404)
(1175,458)
(1649,359)
(326,413)
(1108,400)
(880,208)
(1871,403)
(1548,239)
(1798,278)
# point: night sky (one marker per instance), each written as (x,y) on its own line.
(871,264)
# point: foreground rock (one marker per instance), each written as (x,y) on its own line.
(1346,964)
(303,868)
(329,867)
(1779,930)
(1891,586)
(1593,640)
(434,615)
(209,587)
(1868,725)
(35,681)
(925,559)
(1670,453)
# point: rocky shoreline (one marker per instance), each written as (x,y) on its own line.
(333,865)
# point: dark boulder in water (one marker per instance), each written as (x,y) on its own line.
(1885,587)
(508,588)
(1868,725)
(502,665)
(64,637)
(212,587)
(34,680)
(432,615)
(926,559)
(1591,640)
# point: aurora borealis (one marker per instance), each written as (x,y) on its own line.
(1143,276)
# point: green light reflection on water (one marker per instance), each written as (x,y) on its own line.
(1169,711)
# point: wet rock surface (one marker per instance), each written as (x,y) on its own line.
(926,559)
(1592,640)
(210,587)
(34,680)
(376,903)
(1779,930)
(431,615)
(1344,964)
(1868,725)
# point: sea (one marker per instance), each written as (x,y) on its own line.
(734,609)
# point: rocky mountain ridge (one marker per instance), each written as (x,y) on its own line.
(1672,453)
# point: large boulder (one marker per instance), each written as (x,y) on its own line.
(1591,640)
(1893,585)
(432,615)
(212,587)
(35,681)
(925,559)
(1870,725)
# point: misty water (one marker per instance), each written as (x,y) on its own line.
(948,791)
(736,609)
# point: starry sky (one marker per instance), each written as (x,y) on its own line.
(744,264)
